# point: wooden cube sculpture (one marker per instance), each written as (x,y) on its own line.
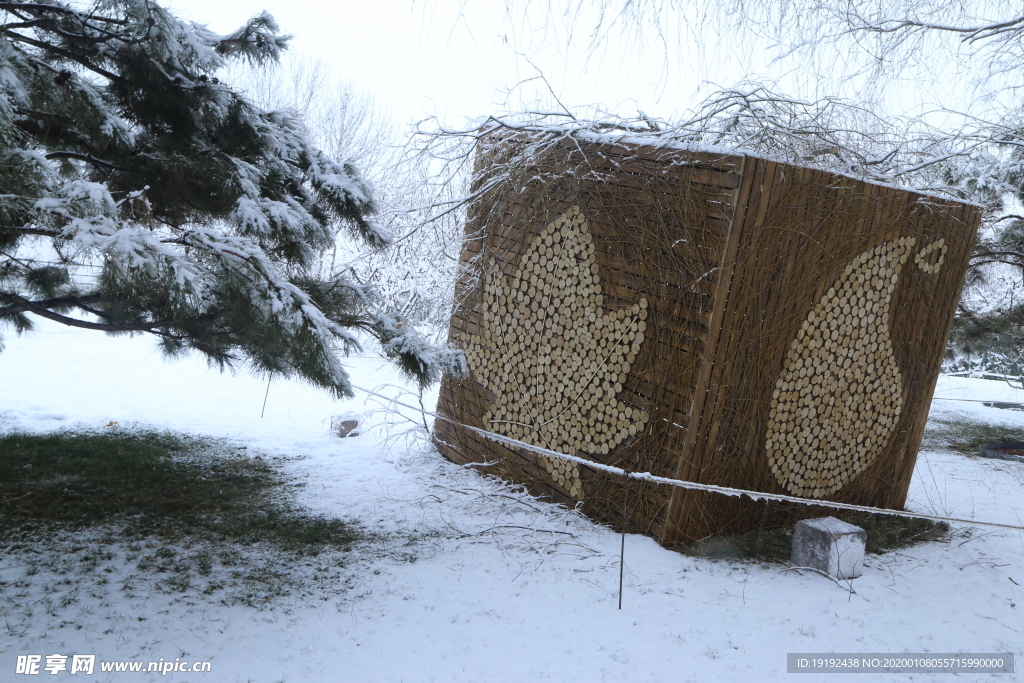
(720,319)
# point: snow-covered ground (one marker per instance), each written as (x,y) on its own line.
(492,586)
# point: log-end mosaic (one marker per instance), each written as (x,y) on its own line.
(840,393)
(552,354)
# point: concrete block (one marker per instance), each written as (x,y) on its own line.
(829,545)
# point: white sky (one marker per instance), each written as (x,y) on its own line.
(462,58)
(459,58)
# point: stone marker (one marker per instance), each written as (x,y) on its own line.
(345,426)
(829,545)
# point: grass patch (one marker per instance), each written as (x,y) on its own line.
(884,533)
(171,486)
(966,436)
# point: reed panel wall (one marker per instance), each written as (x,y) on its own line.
(722,319)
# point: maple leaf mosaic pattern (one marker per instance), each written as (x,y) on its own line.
(553,356)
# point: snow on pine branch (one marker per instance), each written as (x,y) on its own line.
(141,194)
(417,357)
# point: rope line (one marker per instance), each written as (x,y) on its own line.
(976,400)
(691,485)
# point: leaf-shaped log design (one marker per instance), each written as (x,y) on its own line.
(923,261)
(840,393)
(553,356)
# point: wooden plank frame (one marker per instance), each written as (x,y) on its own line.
(721,319)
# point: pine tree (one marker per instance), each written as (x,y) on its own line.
(140,194)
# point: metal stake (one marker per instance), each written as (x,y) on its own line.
(265,397)
(622,549)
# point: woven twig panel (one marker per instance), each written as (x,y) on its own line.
(724,320)
(583,311)
(823,361)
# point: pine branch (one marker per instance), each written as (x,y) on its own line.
(14,7)
(48,23)
(90,159)
(30,231)
(220,255)
(20,304)
(66,54)
(48,304)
